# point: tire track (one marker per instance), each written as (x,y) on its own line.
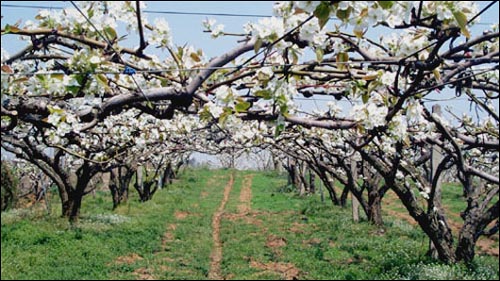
(245,205)
(216,256)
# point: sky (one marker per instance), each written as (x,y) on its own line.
(188,29)
(185,28)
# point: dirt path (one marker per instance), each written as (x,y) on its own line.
(245,205)
(216,256)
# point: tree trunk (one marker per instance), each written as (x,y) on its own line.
(125,183)
(312,182)
(375,207)
(476,222)
(436,158)
(343,196)
(439,233)
(355,201)
(303,182)
(118,185)
(71,207)
(76,205)
(297,181)
(466,244)
(67,206)
(66,201)
(329,184)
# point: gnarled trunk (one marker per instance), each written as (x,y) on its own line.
(120,179)
(466,244)
(438,232)
(375,208)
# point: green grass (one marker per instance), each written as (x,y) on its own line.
(322,242)
(170,237)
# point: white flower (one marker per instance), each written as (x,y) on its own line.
(425,193)
(140,141)
(5,55)
(63,129)
(388,78)
(394,20)
(370,115)
(415,112)
(475,152)
(155,135)
(309,6)
(215,110)
(162,26)
(209,24)
(218,31)
(54,119)
(161,35)
(95,59)
(265,73)
(400,175)
(223,93)
(281,8)
(44,13)
(376,115)
(399,127)
(333,108)
(269,29)
(69,80)
(344,5)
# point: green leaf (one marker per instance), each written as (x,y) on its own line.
(265,94)
(73,89)
(295,57)
(242,106)
(279,129)
(370,77)
(322,12)
(385,4)
(101,78)
(224,115)
(342,58)
(90,12)
(103,81)
(110,33)
(343,15)
(21,80)
(180,52)
(437,74)
(58,76)
(371,86)
(195,57)
(462,22)
(10,29)
(319,54)
(205,114)
(365,97)
(257,45)
(358,32)
(53,110)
